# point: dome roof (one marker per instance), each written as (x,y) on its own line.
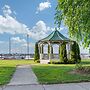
(55,36)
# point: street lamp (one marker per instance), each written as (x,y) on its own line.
(9,45)
(28,46)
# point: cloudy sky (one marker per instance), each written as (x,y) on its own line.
(21,17)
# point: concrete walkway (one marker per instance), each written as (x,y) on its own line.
(74,86)
(23,75)
(25,79)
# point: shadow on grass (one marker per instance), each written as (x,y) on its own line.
(6,74)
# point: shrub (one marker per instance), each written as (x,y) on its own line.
(37,61)
(75,53)
(63,53)
(36,55)
(78,53)
(79,67)
(82,69)
(51,50)
(59,49)
(55,62)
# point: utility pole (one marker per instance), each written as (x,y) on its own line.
(28,46)
(15,51)
(9,45)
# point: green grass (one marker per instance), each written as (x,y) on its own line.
(8,67)
(46,74)
(51,74)
(86,62)
(15,62)
(6,74)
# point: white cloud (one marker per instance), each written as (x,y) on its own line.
(43,5)
(9,24)
(31,45)
(7,10)
(18,40)
(40,30)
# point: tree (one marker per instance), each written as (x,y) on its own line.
(59,49)
(63,53)
(76,15)
(75,53)
(36,56)
(51,50)
(78,53)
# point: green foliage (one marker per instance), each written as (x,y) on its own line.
(78,53)
(75,53)
(79,67)
(76,15)
(59,49)
(37,61)
(51,50)
(63,53)
(36,56)
(82,69)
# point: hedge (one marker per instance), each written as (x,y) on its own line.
(36,55)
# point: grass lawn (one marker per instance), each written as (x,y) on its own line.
(46,74)
(8,67)
(51,74)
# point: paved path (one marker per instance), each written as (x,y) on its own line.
(25,79)
(23,75)
(74,86)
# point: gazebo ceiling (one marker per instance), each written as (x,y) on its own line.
(55,36)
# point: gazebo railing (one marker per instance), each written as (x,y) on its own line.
(53,57)
(45,56)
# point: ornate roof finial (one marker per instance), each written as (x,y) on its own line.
(55,28)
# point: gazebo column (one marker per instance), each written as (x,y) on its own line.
(50,51)
(41,51)
(59,51)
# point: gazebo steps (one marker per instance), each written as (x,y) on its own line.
(44,61)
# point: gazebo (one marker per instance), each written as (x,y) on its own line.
(54,38)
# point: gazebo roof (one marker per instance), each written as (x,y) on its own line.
(55,36)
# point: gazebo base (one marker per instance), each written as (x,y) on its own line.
(44,61)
